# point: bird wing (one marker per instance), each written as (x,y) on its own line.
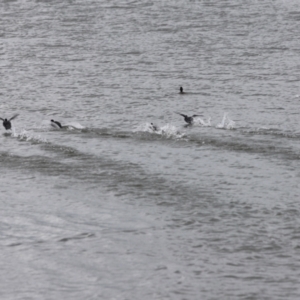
(180,114)
(13,117)
(1,119)
(59,124)
(55,125)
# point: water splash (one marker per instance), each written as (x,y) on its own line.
(168,130)
(201,122)
(226,123)
(25,135)
(73,125)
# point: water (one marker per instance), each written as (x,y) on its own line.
(107,208)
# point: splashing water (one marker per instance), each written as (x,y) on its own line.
(226,123)
(46,124)
(73,125)
(27,136)
(202,122)
(169,131)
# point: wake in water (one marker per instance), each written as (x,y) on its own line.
(169,131)
(226,122)
(201,122)
(73,125)
(196,120)
(25,135)
(68,126)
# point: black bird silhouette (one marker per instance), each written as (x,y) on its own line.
(181,90)
(57,124)
(189,120)
(153,127)
(7,123)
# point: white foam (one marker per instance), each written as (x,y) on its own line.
(146,127)
(27,136)
(167,130)
(73,125)
(226,123)
(170,131)
(201,122)
(70,126)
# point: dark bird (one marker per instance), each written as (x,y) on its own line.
(189,120)
(181,90)
(153,127)
(55,124)
(7,123)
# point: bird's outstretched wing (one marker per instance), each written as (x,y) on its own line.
(1,119)
(180,114)
(13,117)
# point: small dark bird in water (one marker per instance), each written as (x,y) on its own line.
(181,90)
(57,124)
(189,120)
(153,127)
(7,123)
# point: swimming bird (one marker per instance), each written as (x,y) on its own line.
(181,90)
(7,123)
(55,124)
(189,120)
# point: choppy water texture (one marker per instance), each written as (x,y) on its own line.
(107,207)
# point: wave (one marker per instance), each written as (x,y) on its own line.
(120,177)
(264,131)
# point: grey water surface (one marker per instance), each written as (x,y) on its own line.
(107,208)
